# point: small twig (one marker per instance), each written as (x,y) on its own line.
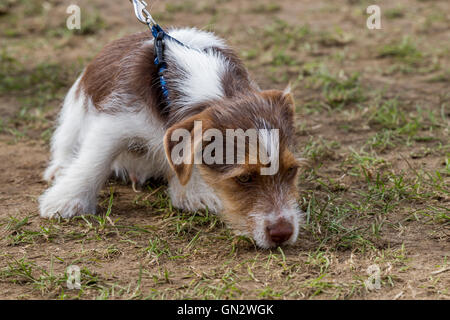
(441,271)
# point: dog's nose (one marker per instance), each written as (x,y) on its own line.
(280,231)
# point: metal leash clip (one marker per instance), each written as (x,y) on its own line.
(140,9)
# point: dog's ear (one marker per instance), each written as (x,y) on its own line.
(182,142)
(284,99)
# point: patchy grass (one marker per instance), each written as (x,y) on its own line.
(281,33)
(338,90)
(36,87)
(266,8)
(395,126)
(394,13)
(45,78)
(404,51)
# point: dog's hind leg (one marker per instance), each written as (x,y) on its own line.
(65,140)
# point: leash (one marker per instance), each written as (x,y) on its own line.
(140,9)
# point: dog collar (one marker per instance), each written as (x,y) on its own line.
(159,35)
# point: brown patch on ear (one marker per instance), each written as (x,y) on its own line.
(290,100)
(184,169)
(283,98)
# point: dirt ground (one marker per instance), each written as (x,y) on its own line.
(372,120)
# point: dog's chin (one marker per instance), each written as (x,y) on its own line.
(261,241)
(265,243)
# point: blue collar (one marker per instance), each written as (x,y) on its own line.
(160,36)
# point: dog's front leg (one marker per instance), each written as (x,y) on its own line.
(195,195)
(75,190)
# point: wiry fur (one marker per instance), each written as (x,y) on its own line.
(114,120)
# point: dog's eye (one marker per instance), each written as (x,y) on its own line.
(244,178)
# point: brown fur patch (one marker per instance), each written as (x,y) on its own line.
(124,66)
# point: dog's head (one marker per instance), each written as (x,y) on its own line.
(242,148)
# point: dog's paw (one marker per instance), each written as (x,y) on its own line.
(52,172)
(192,201)
(55,202)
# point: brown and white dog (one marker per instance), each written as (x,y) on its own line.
(115,120)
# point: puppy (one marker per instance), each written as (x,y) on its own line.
(116,120)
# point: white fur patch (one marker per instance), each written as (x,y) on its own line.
(269,144)
(104,138)
(201,74)
(195,195)
(196,38)
(200,70)
(64,142)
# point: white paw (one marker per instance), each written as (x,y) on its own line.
(192,201)
(58,202)
(52,172)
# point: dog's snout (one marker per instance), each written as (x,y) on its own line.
(280,231)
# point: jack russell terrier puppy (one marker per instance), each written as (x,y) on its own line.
(115,120)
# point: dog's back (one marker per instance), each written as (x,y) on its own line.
(126,67)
